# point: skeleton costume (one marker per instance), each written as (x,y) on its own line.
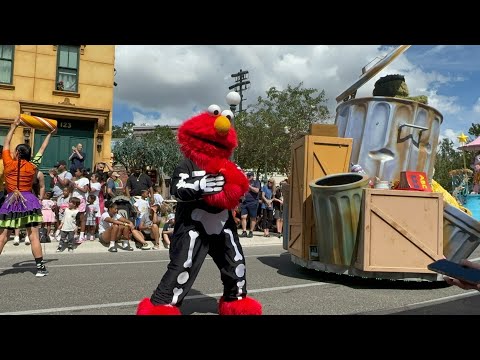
(207,185)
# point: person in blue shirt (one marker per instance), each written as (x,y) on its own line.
(249,205)
(267,206)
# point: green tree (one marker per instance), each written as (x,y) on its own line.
(131,152)
(165,150)
(126,130)
(267,129)
(157,149)
(474,130)
(448,158)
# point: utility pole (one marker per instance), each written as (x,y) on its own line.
(241,84)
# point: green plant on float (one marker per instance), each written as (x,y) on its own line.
(395,86)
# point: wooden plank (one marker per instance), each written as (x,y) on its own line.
(400,231)
(394,224)
(323,130)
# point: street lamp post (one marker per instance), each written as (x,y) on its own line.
(233,99)
(241,84)
(266,126)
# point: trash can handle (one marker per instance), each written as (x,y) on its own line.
(410,136)
(413,126)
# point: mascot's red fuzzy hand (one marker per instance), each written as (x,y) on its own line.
(208,139)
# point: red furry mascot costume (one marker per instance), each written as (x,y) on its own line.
(207,185)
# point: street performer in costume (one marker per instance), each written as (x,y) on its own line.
(21,208)
(206,185)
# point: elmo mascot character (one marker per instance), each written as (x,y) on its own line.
(206,185)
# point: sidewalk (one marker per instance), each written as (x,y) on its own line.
(97,247)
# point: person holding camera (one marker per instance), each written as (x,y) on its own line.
(464,284)
(102,169)
(77,158)
(61,178)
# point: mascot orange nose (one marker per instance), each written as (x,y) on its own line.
(222,125)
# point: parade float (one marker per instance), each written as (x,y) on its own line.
(468,192)
(389,219)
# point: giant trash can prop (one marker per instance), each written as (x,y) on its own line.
(390,135)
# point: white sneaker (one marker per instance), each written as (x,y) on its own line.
(27,240)
(16,240)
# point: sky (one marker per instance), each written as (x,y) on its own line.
(167,84)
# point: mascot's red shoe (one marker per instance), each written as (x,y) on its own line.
(145,307)
(246,306)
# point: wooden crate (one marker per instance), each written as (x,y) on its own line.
(313,157)
(323,130)
(400,231)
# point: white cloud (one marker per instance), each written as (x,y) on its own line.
(447,105)
(476,106)
(140,119)
(178,80)
(451,135)
(436,49)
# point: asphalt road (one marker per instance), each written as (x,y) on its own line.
(106,283)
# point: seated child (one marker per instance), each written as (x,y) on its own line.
(168,228)
(149,225)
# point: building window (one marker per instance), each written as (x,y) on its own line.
(6,64)
(3,134)
(67,70)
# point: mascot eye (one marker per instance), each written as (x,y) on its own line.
(214,110)
(228,114)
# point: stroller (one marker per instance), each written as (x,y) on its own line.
(125,207)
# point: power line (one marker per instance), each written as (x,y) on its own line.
(241,84)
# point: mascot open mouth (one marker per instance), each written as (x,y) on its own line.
(211,142)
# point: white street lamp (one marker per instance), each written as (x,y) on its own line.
(233,99)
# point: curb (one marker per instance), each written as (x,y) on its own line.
(97,247)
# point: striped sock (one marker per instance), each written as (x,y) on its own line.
(39,262)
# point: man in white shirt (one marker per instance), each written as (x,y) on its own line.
(60,179)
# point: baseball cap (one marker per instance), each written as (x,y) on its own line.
(60,162)
(115,174)
(170,216)
(250,173)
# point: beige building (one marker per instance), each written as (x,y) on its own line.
(72,84)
